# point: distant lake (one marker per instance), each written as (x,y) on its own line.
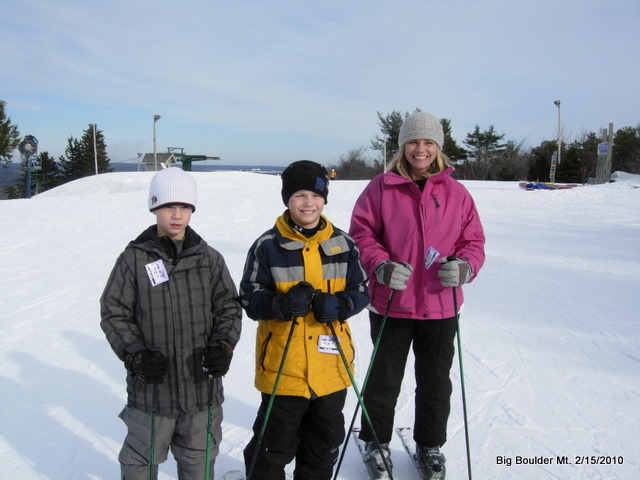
(209,166)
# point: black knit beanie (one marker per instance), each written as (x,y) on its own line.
(304,175)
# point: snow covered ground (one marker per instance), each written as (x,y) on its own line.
(550,329)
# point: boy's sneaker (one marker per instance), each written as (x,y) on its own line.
(373,460)
(431,461)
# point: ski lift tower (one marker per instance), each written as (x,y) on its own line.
(186,160)
(28,149)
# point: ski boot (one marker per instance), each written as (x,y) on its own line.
(373,460)
(431,462)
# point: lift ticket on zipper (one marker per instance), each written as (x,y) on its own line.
(326,344)
(156,272)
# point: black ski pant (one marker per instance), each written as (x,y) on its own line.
(309,430)
(433,349)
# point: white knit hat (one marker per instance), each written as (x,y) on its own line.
(421,126)
(172,185)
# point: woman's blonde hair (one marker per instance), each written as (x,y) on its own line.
(401,165)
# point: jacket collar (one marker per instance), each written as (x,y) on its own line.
(149,240)
(393,178)
(291,239)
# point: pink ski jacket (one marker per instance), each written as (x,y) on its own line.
(393,220)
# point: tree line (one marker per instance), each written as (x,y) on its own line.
(486,155)
(78,161)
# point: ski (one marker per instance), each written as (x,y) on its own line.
(373,473)
(406,436)
(240,475)
(234,475)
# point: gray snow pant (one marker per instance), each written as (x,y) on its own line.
(186,435)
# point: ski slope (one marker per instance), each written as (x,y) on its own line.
(550,329)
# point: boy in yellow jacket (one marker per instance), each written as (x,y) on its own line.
(303,270)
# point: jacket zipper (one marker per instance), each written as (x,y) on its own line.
(264,350)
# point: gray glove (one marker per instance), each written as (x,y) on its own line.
(454,272)
(393,274)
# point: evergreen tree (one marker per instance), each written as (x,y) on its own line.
(571,169)
(485,149)
(589,155)
(579,160)
(540,166)
(450,147)
(9,136)
(626,150)
(45,175)
(79,160)
(50,172)
(390,127)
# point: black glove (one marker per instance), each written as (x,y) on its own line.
(328,308)
(149,365)
(297,301)
(216,358)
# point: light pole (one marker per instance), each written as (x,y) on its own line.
(155,157)
(557,103)
(384,152)
(95,149)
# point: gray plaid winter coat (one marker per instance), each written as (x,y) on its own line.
(197,304)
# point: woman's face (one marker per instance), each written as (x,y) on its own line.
(420,154)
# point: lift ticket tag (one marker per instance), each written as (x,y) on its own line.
(430,256)
(156,272)
(326,344)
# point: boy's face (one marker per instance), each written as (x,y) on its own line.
(305,207)
(172,220)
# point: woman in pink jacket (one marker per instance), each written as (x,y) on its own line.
(420,235)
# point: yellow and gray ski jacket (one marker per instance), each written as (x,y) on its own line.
(279,259)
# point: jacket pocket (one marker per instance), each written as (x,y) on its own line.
(263,353)
(353,349)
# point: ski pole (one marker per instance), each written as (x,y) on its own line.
(364,384)
(271,399)
(365,413)
(152,446)
(464,397)
(207,466)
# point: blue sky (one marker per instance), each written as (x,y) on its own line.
(258,82)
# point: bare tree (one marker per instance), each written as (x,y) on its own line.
(355,166)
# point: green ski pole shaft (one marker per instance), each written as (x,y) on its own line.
(207,466)
(364,384)
(365,413)
(464,396)
(152,446)
(256,451)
